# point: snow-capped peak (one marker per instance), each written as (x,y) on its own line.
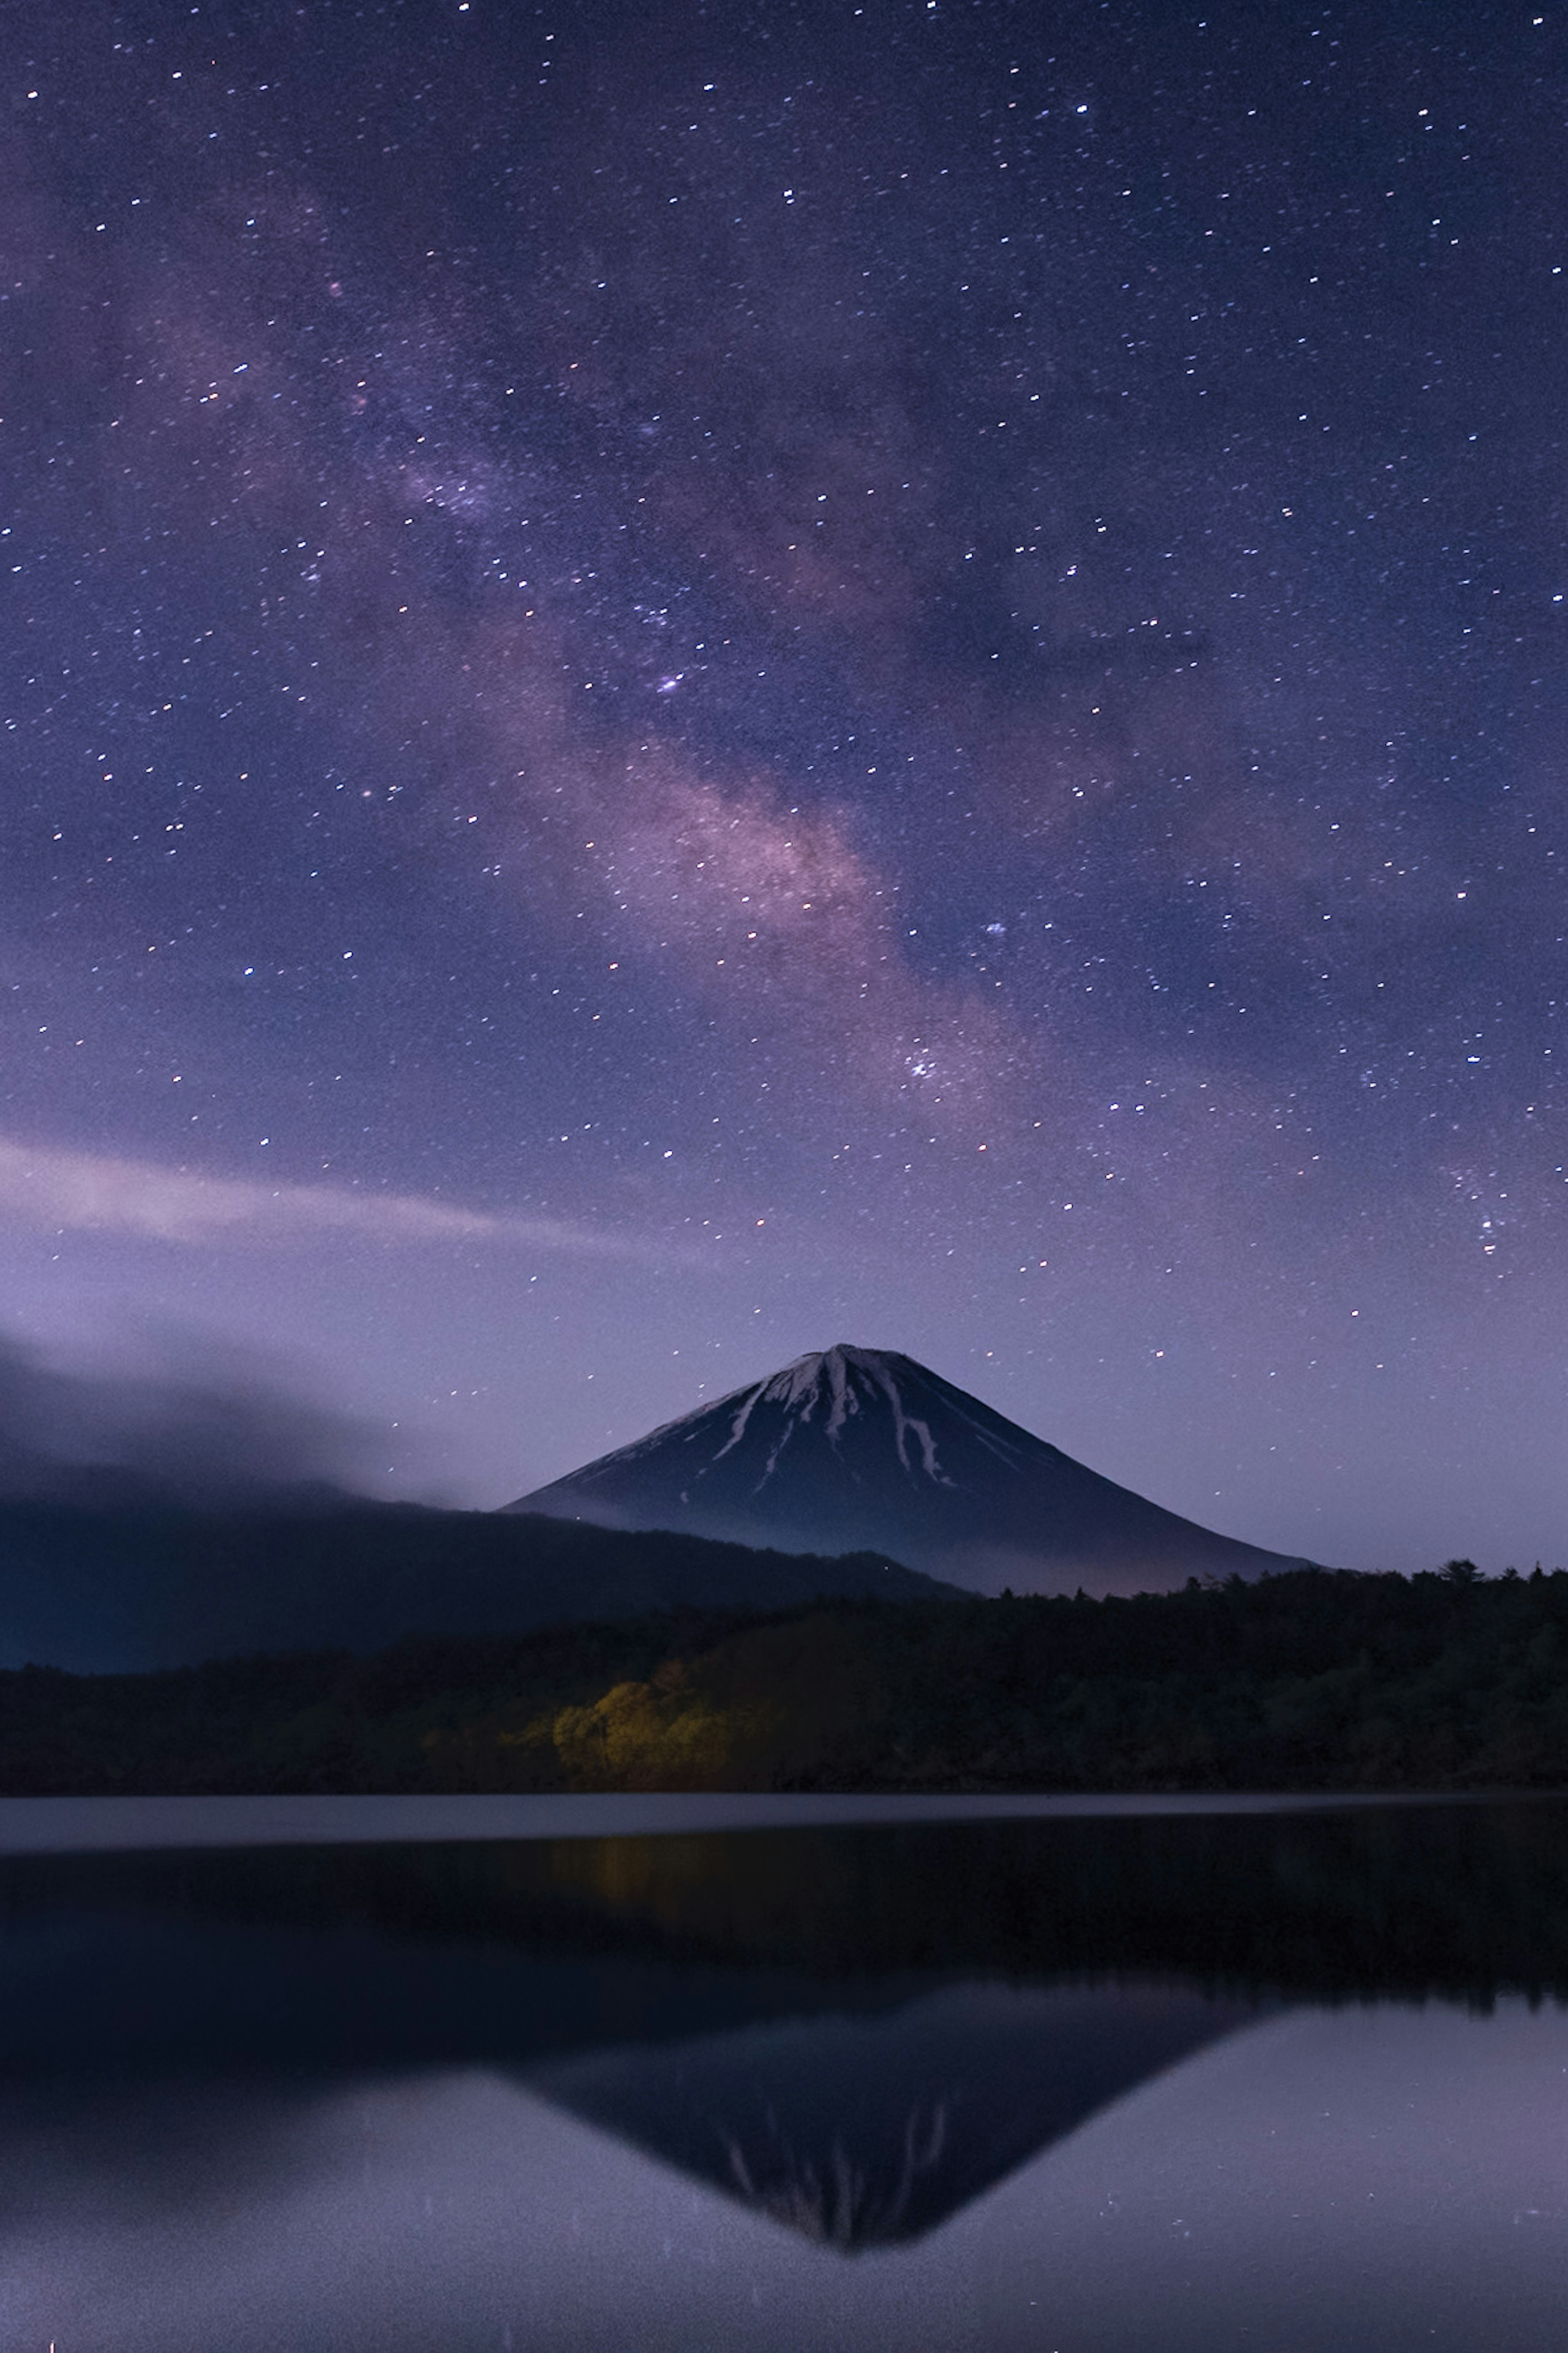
(829,1388)
(850,1448)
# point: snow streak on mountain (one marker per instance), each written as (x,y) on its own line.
(853,1448)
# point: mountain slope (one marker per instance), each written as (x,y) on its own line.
(855,1447)
(111,1591)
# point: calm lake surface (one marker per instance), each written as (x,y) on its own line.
(834,2075)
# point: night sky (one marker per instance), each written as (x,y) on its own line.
(683,682)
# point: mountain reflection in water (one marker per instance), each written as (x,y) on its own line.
(862,2132)
(418,2096)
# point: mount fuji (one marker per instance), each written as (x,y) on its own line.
(857,1449)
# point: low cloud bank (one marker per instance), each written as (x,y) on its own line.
(191,1423)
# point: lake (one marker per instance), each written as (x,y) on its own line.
(850,2076)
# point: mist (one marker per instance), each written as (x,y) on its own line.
(178,1418)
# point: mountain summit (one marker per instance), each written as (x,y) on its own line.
(851,1448)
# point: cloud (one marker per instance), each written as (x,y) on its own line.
(185,1420)
(89,1192)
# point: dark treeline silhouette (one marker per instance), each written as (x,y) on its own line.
(1316,1680)
(118,1586)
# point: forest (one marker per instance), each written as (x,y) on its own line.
(1317,1680)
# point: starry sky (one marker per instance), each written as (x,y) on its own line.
(680,683)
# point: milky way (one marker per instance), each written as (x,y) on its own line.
(681,684)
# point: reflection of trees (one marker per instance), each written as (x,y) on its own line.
(1467,1899)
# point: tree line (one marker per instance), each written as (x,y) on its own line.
(1312,1680)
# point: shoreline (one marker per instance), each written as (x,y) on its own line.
(77,1824)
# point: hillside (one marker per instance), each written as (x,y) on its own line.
(131,1589)
(1312,1680)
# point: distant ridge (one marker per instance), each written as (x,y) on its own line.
(851,1448)
(120,1591)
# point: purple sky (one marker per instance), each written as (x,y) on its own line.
(679,684)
